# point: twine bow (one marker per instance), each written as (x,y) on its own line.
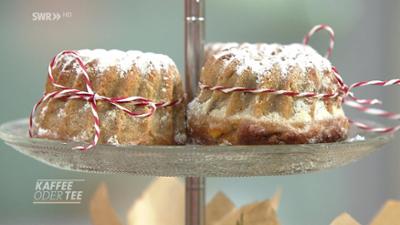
(345,91)
(92,98)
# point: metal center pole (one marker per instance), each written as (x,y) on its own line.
(195,201)
(194,44)
(194,54)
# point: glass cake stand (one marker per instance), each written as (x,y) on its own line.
(194,162)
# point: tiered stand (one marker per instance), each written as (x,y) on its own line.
(194,54)
(194,162)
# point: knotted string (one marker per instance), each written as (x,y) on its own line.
(345,91)
(93,98)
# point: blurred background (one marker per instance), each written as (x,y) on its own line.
(367,34)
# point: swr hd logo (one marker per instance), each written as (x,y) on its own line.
(50,16)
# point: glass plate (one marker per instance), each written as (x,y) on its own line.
(193,160)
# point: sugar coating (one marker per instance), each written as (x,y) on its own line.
(301,112)
(113,140)
(122,61)
(212,48)
(356,138)
(262,58)
(43,132)
(83,135)
(180,137)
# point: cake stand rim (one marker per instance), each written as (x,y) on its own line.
(190,153)
(8,137)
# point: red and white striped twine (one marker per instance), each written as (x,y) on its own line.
(92,97)
(345,91)
(318,28)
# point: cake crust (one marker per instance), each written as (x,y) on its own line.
(206,130)
(215,117)
(115,73)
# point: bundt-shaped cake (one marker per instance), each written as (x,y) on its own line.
(211,49)
(215,117)
(114,73)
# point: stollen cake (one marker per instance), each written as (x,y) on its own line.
(215,117)
(114,73)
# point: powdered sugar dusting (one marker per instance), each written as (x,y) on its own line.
(122,61)
(61,113)
(82,136)
(111,115)
(43,132)
(151,61)
(85,107)
(356,138)
(212,48)
(261,58)
(113,140)
(180,137)
(44,111)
